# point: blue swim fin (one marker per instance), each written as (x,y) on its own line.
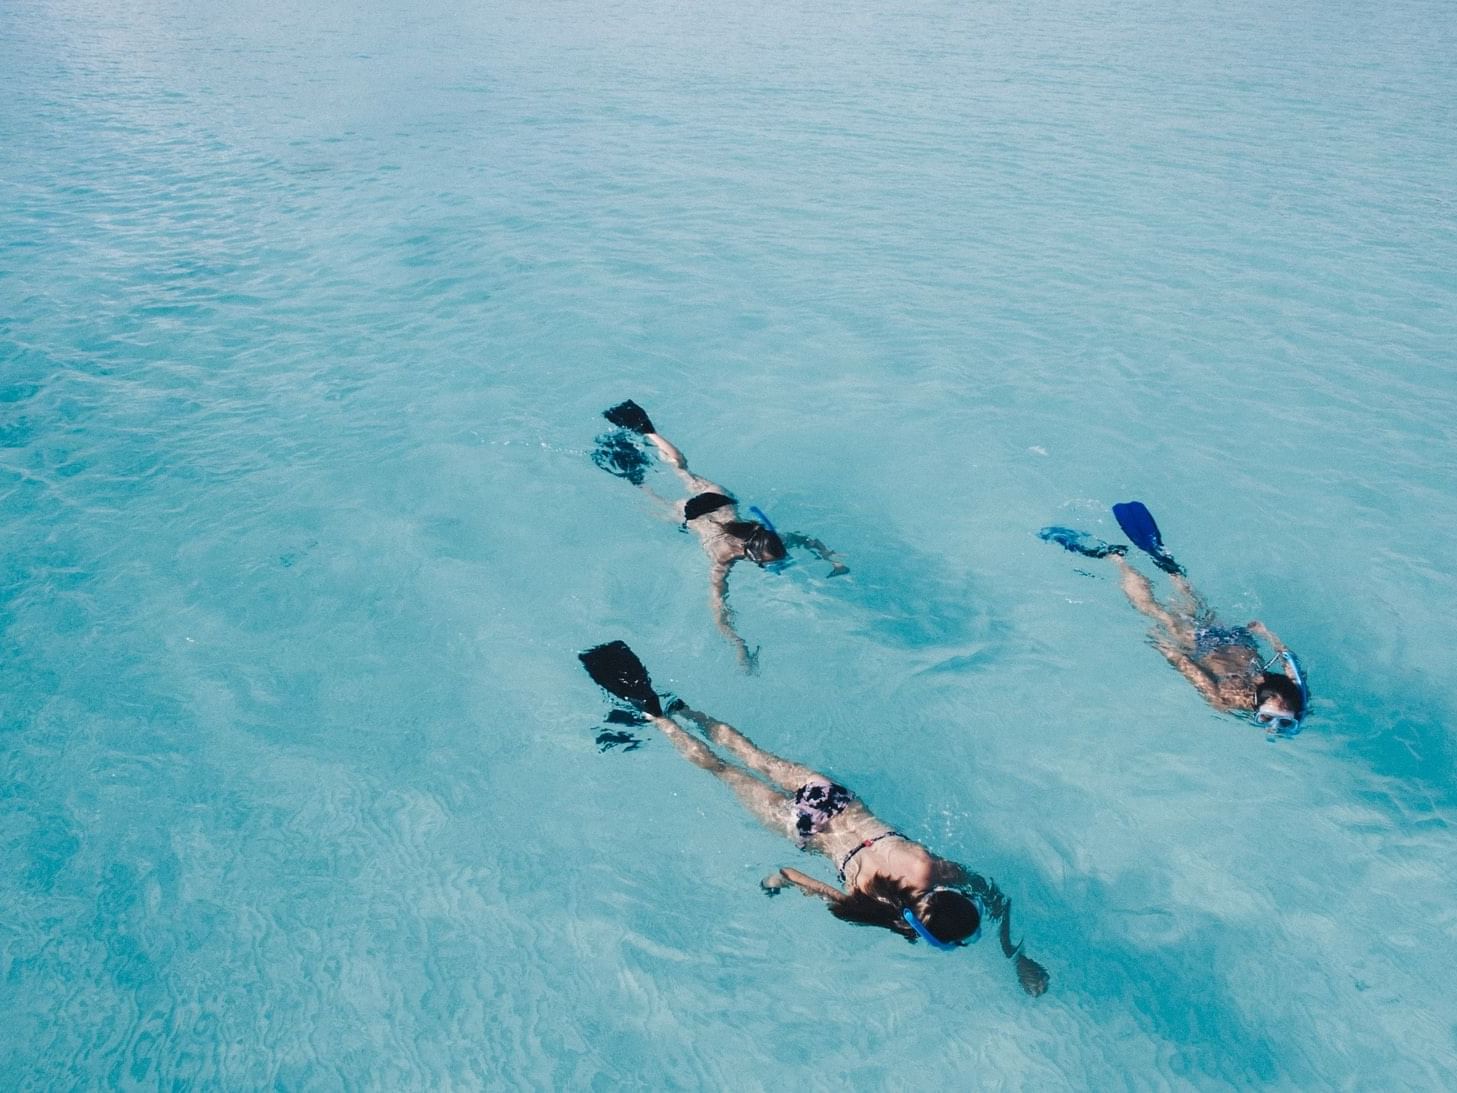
(1138,524)
(1080,542)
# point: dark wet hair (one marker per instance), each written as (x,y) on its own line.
(950,915)
(1274,685)
(761,545)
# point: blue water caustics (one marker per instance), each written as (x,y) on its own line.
(307,314)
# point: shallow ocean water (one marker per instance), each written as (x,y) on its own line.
(307,319)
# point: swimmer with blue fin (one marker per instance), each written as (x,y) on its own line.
(889,880)
(1224,663)
(710,512)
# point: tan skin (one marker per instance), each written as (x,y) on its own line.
(765,784)
(1225,676)
(724,550)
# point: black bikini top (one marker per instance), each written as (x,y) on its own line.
(703,503)
(863,845)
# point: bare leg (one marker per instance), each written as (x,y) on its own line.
(767,804)
(675,458)
(1140,593)
(780,771)
(1193,605)
(666,509)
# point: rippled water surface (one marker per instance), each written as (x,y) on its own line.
(307,314)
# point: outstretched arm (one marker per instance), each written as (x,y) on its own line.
(822,552)
(1256,627)
(998,907)
(774,883)
(723,616)
(1194,674)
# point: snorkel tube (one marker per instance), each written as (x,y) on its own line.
(1292,669)
(931,939)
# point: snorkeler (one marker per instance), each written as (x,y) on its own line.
(710,512)
(889,880)
(1224,663)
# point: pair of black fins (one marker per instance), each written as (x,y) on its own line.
(1137,523)
(613,666)
(616,453)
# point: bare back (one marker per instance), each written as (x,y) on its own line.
(722,548)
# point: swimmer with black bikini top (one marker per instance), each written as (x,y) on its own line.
(712,514)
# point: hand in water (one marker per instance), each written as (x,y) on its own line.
(748,661)
(1032,975)
(773,884)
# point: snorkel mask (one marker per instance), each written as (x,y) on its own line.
(1284,724)
(761,543)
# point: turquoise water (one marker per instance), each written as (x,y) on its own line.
(307,318)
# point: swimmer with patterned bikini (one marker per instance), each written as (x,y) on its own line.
(1224,663)
(889,880)
(712,514)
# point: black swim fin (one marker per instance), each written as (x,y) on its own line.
(1138,524)
(629,415)
(1080,542)
(615,668)
(617,454)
